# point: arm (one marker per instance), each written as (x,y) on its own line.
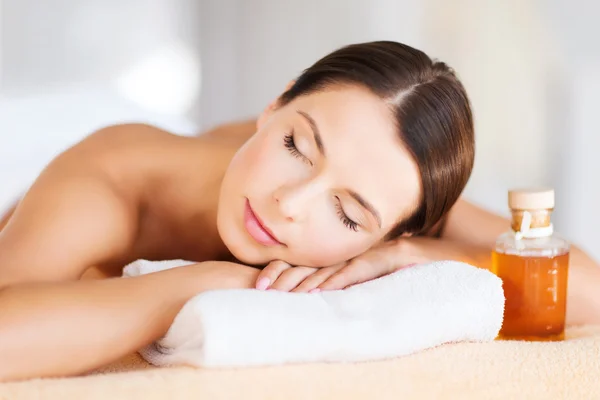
(57,329)
(77,214)
(476,231)
(4,219)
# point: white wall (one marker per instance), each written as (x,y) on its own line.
(252,49)
(575,163)
(107,44)
(501,56)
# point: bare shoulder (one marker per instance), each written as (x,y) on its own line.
(124,139)
(235,132)
(84,208)
(128,152)
(113,148)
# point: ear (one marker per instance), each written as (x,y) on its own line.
(271,107)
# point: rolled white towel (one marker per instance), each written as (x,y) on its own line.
(410,310)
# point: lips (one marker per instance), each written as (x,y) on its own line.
(256,228)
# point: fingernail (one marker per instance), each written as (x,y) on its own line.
(263,283)
(316,290)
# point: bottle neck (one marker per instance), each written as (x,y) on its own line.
(532,223)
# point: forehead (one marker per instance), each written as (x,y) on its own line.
(363,148)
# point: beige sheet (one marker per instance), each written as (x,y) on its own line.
(498,370)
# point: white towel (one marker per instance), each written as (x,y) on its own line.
(410,310)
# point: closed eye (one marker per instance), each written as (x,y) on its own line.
(350,224)
(288,142)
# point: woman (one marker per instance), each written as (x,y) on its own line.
(371,145)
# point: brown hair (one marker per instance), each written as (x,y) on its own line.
(431,109)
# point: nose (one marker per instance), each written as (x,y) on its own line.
(294,201)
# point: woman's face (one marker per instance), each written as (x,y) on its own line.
(324,178)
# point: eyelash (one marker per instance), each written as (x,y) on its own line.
(353,226)
(288,142)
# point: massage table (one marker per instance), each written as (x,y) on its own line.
(496,370)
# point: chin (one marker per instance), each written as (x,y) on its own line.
(247,256)
(238,244)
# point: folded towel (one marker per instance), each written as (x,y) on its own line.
(410,310)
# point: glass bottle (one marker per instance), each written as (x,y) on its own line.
(533,263)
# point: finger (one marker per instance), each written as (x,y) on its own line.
(398,268)
(357,271)
(270,273)
(311,284)
(290,278)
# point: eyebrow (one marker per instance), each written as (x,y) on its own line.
(315,131)
(317,135)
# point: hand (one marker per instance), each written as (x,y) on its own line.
(211,275)
(279,275)
(379,261)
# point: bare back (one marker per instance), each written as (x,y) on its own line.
(124,193)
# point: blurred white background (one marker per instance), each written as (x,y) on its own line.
(532,69)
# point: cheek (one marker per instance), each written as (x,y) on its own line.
(262,165)
(249,157)
(329,245)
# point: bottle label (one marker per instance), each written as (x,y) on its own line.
(526,231)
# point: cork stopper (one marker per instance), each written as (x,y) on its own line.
(531,199)
(539,203)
